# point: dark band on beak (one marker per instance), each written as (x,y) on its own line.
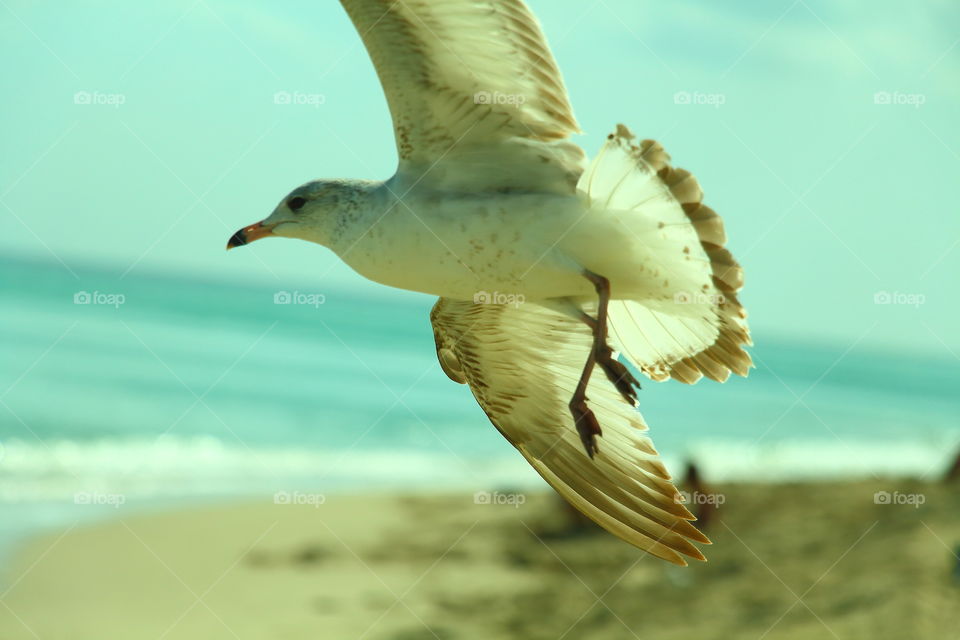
(250,234)
(237,240)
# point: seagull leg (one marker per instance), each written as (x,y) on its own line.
(586,422)
(587,425)
(616,372)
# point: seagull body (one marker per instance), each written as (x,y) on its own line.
(464,242)
(547,266)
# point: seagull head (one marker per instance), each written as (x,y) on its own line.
(308,213)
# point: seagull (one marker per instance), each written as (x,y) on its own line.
(547,265)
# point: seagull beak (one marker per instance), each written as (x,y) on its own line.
(249,234)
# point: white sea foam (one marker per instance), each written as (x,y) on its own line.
(174,467)
(171,467)
(822,459)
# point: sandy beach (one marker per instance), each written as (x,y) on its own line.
(788,561)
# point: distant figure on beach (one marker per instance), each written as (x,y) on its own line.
(953,473)
(703,509)
(956,566)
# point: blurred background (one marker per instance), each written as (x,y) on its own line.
(163,402)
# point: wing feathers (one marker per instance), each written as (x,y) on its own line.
(522,364)
(473,85)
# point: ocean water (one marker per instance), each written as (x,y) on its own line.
(118,391)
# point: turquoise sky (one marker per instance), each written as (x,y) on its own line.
(832,192)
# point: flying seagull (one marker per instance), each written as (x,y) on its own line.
(547,265)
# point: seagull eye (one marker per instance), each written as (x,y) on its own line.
(296,203)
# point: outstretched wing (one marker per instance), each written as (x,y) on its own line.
(522,363)
(470,83)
